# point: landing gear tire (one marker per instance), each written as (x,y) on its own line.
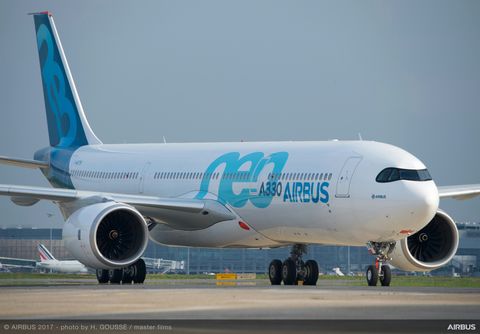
(289,272)
(102,276)
(275,272)
(372,275)
(311,273)
(385,275)
(140,272)
(115,276)
(128,274)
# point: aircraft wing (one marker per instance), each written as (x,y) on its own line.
(179,213)
(459,192)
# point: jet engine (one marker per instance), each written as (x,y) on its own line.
(430,248)
(106,235)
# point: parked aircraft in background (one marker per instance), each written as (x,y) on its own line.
(337,271)
(47,263)
(50,263)
(260,194)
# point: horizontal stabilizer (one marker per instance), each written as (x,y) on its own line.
(25,163)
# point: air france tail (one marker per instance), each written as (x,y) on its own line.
(44,253)
(67,125)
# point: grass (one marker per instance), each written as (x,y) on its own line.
(413,281)
(437,281)
(45,276)
(178,276)
(400,281)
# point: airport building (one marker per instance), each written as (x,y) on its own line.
(22,243)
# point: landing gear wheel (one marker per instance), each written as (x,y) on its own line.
(128,274)
(311,273)
(372,275)
(385,275)
(102,276)
(381,270)
(115,276)
(289,272)
(275,272)
(140,272)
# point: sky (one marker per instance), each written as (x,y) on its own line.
(402,72)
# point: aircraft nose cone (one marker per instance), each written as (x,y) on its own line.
(423,201)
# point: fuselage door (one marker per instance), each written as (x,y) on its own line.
(345,177)
(143,176)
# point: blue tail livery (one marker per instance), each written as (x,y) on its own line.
(67,124)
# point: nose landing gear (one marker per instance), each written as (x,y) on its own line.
(293,269)
(381,270)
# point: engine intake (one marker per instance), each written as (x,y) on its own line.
(106,235)
(430,248)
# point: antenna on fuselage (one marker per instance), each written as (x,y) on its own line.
(360,136)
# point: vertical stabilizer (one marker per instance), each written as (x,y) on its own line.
(44,253)
(67,124)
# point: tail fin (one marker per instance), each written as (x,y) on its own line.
(67,124)
(44,253)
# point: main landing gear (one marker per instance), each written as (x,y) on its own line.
(380,270)
(135,273)
(293,269)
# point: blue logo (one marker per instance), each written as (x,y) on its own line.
(240,184)
(62,115)
(246,169)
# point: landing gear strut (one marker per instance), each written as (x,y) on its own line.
(135,273)
(293,269)
(380,270)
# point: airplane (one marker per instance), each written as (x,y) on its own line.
(115,197)
(49,262)
(337,271)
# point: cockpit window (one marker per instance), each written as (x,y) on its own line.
(394,174)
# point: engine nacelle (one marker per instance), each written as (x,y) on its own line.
(430,248)
(106,235)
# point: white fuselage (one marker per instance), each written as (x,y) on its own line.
(68,267)
(323,192)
